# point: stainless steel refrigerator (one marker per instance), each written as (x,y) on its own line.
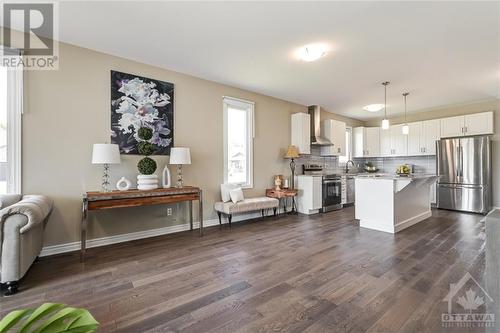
(464,170)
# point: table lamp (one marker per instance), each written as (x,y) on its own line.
(180,156)
(292,153)
(106,154)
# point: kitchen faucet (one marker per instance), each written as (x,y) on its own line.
(347,165)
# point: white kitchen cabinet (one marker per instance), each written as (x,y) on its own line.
(334,131)
(478,123)
(301,132)
(452,126)
(415,139)
(393,142)
(366,142)
(430,134)
(422,137)
(471,124)
(309,196)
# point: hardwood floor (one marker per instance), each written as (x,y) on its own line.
(292,274)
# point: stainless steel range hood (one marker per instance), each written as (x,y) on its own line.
(316,138)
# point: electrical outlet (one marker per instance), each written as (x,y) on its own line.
(169,211)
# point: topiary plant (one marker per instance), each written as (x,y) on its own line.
(49,318)
(146,166)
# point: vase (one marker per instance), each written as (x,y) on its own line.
(147,182)
(123,184)
(166,177)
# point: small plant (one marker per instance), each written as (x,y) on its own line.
(146,166)
(49,318)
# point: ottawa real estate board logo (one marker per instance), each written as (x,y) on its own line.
(29,35)
(468,305)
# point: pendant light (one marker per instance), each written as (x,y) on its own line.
(406,128)
(385,121)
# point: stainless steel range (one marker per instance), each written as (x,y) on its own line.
(331,187)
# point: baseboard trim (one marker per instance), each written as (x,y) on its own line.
(103,241)
(413,220)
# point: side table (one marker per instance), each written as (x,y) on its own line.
(282,195)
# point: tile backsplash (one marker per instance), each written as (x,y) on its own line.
(421,164)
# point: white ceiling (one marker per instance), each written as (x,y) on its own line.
(441,52)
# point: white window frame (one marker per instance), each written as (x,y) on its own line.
(14,128)
(349,146)
(249,107)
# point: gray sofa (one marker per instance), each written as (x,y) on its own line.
(22,220)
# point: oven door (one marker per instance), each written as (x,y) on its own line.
(332,195)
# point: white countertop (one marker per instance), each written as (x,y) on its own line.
(394,176)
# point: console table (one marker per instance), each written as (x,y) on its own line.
(136,198)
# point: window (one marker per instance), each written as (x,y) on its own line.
(11,84)
(348,146)
(238,142)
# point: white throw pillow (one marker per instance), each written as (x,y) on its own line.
(224,191)
(236,195)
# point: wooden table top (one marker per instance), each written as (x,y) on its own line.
(113,195)
(284,192)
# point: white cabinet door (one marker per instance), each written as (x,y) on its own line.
(478,123)
(399,141)
(430,134)
(385,142)
(372,141)
(334,131)
(452,126)
(358,144)
(415,144)
(301,132)
(317,193)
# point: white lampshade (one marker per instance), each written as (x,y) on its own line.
(405,129)
(385,124)
(180,155)
(105,153)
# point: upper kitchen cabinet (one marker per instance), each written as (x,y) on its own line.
(422,137)
(472,124)
(393,142)
(301,132)
(366,141)
(430,134)
(334,131)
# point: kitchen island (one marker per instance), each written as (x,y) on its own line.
(391,203)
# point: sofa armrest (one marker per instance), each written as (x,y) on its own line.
(35,207)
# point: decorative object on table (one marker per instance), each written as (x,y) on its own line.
(385,122)
(403,170)
(180,156)
(166,179)
(123,184)
(147,180)
(138,102)
(106,154)
(278,181)
(48,317)
(286,183)
(292,153)
(370,167)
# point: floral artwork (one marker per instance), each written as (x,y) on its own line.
(141,102)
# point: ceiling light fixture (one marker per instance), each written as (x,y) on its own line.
(373,107)
(312,52)
(385,121)
(405,129)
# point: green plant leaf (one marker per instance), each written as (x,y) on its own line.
(65,320)
(12,319)
(42,311)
